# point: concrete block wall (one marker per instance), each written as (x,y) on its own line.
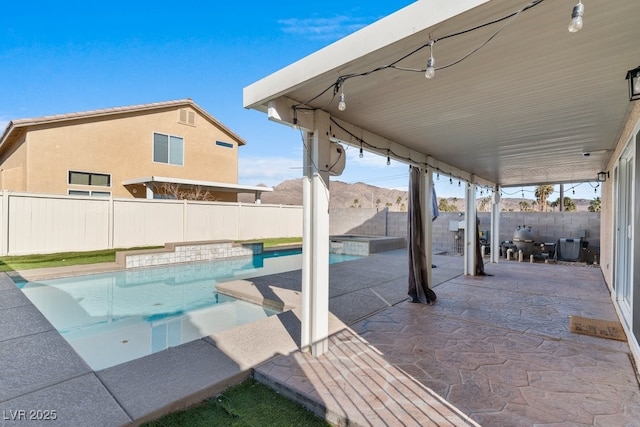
(546,226)
(360,221)
(549,226)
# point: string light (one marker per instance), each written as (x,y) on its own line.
(438,176)
(459,184)
(388,158)
(429,72)
(361,152)
(342,105)
(451,181)
(576,17)
(431,64)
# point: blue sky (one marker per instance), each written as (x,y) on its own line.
(62,57)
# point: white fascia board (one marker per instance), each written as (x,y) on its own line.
(222,186)
(414,18)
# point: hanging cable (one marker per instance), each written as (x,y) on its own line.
(340,81)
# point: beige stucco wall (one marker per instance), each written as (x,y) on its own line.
(123,148)
(13,171)
(607,217)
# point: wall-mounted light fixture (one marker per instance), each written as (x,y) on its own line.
(634,83)
(602,176)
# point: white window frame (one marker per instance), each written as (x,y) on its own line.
(88,193)
(169,136)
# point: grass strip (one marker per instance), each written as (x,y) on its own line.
(249,404)
(62,259)
(279,241)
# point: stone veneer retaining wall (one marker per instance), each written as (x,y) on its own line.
(174,253)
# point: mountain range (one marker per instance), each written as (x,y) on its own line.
(361,195)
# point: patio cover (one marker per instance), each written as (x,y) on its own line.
(516,98)
(149,182)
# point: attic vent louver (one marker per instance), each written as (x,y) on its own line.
(187,117)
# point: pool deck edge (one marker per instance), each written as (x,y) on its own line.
(140,390)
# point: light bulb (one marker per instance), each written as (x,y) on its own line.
(361,153)
(431,70)
(576,18)
(342,105)
(431,63)
(388,160)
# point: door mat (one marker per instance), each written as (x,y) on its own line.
(597,328)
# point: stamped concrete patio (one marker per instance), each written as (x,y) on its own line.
(493,350)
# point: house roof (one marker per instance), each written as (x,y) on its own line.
(524,109)
(16,128)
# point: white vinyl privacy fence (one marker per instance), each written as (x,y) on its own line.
(35,223)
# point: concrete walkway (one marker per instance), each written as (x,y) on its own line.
(493,350)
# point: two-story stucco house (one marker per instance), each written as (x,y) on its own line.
(142,151)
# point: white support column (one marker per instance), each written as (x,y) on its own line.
(307,255)
(315,249)
(149,188)
(495,226)
(470,230)
(427,219)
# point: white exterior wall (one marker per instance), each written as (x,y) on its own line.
(35,223)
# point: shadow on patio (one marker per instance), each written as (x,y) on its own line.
(495,350)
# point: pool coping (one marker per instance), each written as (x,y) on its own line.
(143,389)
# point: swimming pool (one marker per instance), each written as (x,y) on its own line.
(111,318)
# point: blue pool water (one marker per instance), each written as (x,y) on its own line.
(111,318)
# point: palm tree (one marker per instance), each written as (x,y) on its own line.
(595,205)
(398,201)
(569,204)
(542,195)
(484,203)
(524,206)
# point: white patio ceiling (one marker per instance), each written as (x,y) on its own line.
(522,110)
